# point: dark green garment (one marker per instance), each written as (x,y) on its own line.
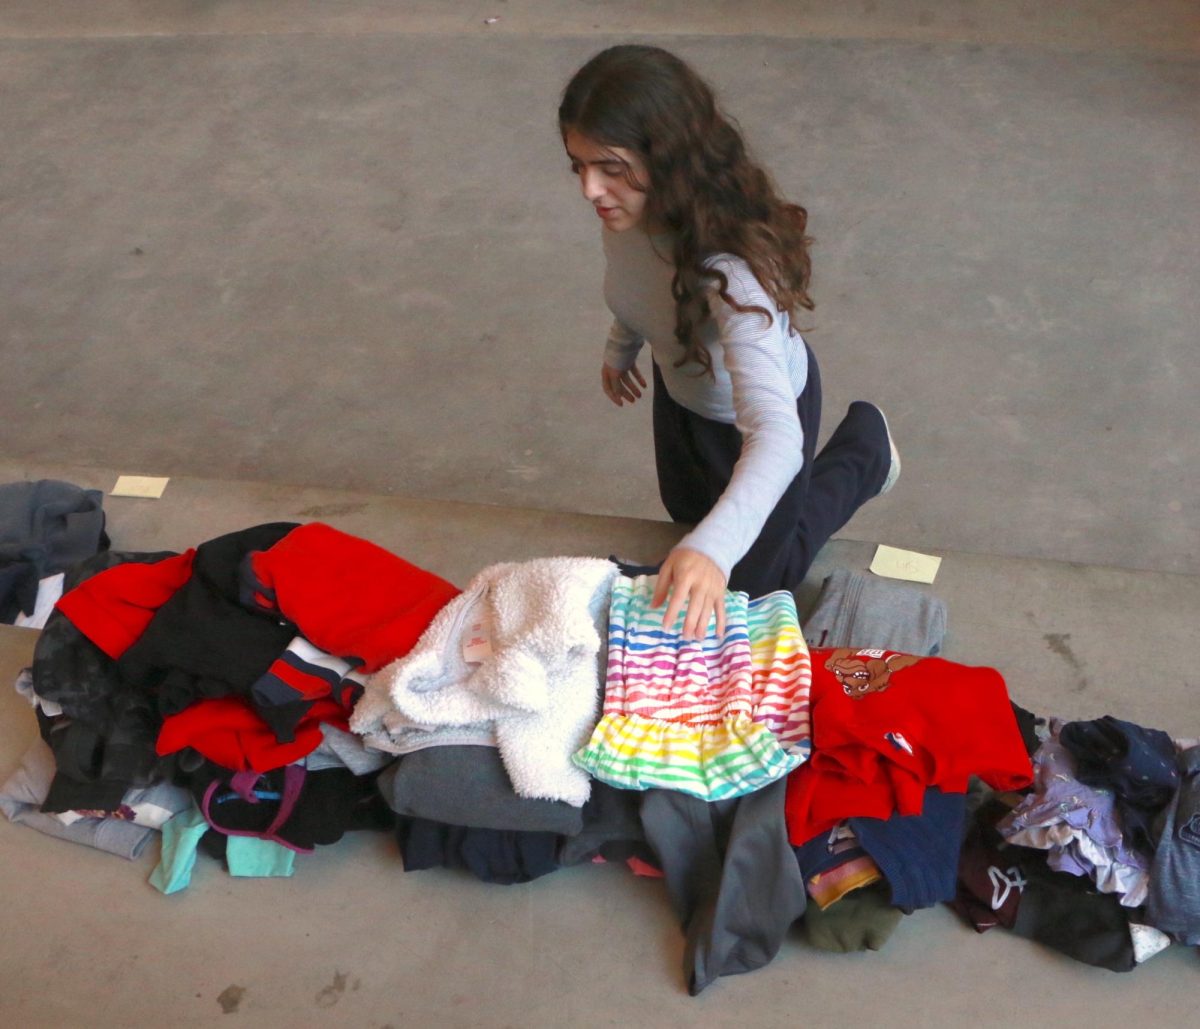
(862,920)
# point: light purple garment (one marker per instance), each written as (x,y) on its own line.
(1077,824)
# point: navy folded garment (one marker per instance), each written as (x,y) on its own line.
(918,854)
(45,527)
(828,850)
(491,855)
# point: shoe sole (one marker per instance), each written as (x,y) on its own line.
(894,468)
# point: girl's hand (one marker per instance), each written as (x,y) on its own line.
(621,386)
(691,579)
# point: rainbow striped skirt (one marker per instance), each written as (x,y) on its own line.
(716,718)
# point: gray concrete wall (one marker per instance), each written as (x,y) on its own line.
(336,244)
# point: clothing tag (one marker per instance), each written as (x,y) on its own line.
(151,816)
(139,486)
(905,564)
(477,639)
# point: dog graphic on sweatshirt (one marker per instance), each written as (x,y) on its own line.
(861,672)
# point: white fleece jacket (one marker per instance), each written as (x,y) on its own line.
(535,696)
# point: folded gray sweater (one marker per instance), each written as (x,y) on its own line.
(859,610)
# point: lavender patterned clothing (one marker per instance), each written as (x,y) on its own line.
(1078,825)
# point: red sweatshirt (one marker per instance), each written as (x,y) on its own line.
(113,607)
(346,595)
(888,725)
(227,730)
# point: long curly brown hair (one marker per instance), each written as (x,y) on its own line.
(703,185)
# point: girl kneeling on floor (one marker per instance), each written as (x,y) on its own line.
(707,264)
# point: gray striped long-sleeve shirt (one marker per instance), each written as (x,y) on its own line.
(759,370)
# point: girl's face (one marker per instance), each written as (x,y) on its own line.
(604,177)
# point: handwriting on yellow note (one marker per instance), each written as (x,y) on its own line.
(139,486)
(905,564)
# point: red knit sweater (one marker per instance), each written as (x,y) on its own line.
(887,725)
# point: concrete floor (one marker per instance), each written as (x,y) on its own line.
(319,260)
(353,940)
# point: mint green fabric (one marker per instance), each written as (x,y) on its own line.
(180,838)
(245,855)
(258,858)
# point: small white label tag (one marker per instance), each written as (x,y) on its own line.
(477,639)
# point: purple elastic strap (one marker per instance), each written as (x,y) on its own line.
(243,784)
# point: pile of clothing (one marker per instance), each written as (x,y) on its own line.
(279,686)
(1100,857)
(215,686)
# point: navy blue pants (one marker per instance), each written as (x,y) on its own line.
(695,456)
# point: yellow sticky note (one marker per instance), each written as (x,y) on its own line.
(905,564)
(139,486)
